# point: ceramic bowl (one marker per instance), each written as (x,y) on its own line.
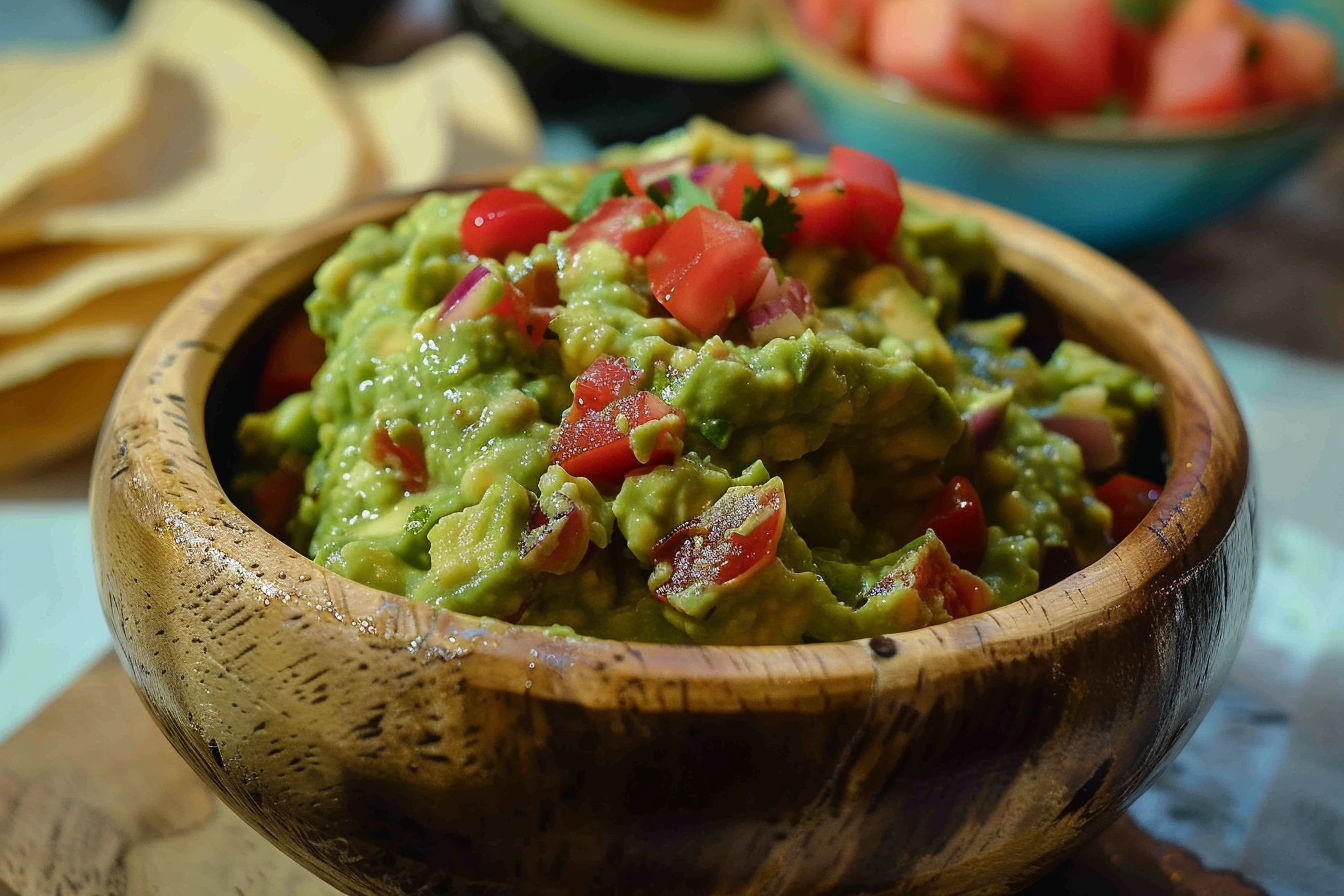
(394,748)
(1107,183)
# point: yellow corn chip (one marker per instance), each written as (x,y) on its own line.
(109,326)
(48,418)
(61,107)
(273,143)
(409,136)
(39,286)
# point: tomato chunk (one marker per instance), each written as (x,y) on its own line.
(737,535)
(484,292)
(605,445)
(823,213)
(930,572)
(1063,53)
(400,447)
(1130,498)
(728,185)
(706,268)
(604,381)
(1298,62)
(630,223)
(291,363)
(1198,74)
(503,220)
(939,49)
(957,517)
(556,540)
(873,196)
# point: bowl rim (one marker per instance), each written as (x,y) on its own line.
(798,53)
(158,421)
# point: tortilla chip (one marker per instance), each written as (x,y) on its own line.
(493,123)
(110,326)
(39,286)
(403,121)
(276,145)
(61,107)
(47,419)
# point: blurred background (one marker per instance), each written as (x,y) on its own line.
(142,143)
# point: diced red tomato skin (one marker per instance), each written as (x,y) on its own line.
(706,268)
(503,220)
(604,381)
(708,548)
(738,177)
(292,362)
(957,516)
(1130,498)
(873,196)
(1063,54)
(935,46)
(276,497)
(823,213)
(840,23)
(1198,75)
(595,448)
(1298,63)
(556,545)
(404,453)
(630,223)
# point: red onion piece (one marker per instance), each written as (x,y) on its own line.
(1095,435)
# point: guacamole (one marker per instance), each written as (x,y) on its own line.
(707,390)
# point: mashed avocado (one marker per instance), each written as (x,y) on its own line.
(708,391)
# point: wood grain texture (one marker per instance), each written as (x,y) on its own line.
(93,800)
(393,748)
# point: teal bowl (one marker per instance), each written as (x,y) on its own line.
(1107,182)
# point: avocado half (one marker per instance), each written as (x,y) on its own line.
(624,69)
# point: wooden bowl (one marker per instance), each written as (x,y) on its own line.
(394,748)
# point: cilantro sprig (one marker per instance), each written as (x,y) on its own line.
(776,212)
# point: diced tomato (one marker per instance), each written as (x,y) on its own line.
(485,292)
(873,195)
(931,573)
(1298,62)
(400,447)
(736,536)
(957,517)
(1063,53)
(730,190)
(503,220)
(1198,74)
(540,284)
(823,213)
(275,497)
(939,49)
(604,381)
(630,223)
(1130,498)
(840,23)
(706,268)
(599,445)
(293,360)
(640,177)
(556,540)
(1133,51)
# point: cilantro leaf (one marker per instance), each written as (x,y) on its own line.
(682,196)
(776,213)
(602,186)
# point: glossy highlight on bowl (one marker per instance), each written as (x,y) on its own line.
(394,748)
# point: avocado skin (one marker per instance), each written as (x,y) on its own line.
(609,105)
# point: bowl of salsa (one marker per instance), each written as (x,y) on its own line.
(1121,123)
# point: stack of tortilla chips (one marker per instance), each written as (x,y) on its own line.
(129,167)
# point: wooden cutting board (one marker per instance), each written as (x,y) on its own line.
(93,800)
